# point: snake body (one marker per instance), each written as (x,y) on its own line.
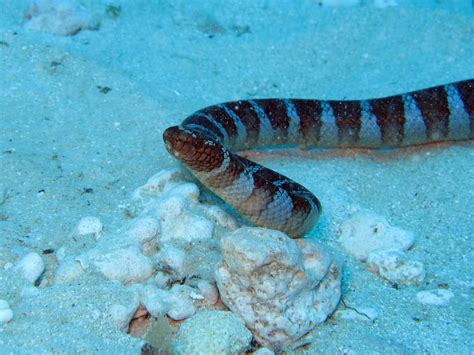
(206,143)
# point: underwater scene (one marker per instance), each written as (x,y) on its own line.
(236,177)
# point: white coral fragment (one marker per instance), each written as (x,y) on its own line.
(191,228)
(181,302)
(31,266)
(125,265)
(159,183)
(6,314)
(122,315)
(156,301)
(173,258)
(213,332)
(68,270)
(208,290)
(365,232)
(394,266)
(61,17)
(279,287)
(89,225)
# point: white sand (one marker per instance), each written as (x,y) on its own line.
(69,150)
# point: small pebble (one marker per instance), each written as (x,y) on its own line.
(89,225)
(196,296)
(6,314)
(31,266)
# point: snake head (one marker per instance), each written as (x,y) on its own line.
(193,148)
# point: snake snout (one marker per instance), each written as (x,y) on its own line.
(178,141)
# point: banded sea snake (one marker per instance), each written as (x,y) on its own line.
(206,142)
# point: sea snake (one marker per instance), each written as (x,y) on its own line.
(206,142)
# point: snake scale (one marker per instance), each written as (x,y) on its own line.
(206,143)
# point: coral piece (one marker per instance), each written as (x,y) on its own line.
(394,266)
(282,288)
(125,265)
(67,271)
(208,290)
(159,184)
(174,259)
(89,225)
(365,232)
(181,302)
(436,297)
(162,279)
(213,332)
(192,228)
(155,300)
(6,314)
(31,266)
(61,17)
(187,237)
(121,315)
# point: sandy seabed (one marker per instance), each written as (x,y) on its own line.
(81,119)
